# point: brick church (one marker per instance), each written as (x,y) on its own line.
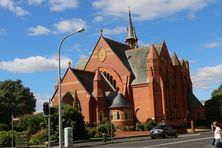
(127,84)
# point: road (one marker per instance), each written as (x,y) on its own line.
(198,140)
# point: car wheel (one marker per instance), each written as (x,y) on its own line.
(176,135)
(164,135)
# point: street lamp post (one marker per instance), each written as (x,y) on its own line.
(12,132)
(59,85)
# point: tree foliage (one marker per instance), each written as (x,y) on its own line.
(32,123)
(71,117)
(15,99)
(105,127)
(214,106)
(6,138)
(217,92)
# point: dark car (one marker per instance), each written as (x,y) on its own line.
(163,131)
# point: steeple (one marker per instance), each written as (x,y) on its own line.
(131,38)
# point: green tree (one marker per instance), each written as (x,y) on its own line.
(15,99)
(71,117)
(217,91)
(31,123)
(213,106)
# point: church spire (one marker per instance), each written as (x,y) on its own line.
(131,38)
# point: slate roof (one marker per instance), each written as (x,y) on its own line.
(119,49)
(110,96)
(85,78)
(138,62)
(120,101)
(193,102)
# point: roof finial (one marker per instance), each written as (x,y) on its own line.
(69,64)
(101,32)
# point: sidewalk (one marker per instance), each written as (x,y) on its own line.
(122,134)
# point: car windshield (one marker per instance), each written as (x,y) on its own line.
(159,127)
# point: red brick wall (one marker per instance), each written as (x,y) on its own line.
(111,64)
(70,84)
(143,102)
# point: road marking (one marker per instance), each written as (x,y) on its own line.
(184,141)
(189,135)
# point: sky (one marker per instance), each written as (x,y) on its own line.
(31,30)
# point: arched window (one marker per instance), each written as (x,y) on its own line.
(111,80)
(126,115)
(117,115)
(114,84)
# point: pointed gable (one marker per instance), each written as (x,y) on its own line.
(97,76)
(85,78)
(138,62)
(175,60)
(152,53)
(111,48)
(183,63)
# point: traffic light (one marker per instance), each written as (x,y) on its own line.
(46,108)
(52,110)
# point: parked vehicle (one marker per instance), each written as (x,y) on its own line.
(163,131)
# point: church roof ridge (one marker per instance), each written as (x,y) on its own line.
(117,42)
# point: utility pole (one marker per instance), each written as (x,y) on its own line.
(12,132)
(111,128)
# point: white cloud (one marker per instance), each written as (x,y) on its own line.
(33,64)
(62,26)
(204,77)
(150,9)
(217,43)
(114,31)
(35,2)
(61,5)
(98,19)
(2,31)
(40,99)
(38,30)
(11,6)
(69,25)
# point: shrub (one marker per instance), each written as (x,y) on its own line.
(4,127)
(38,138)
(104,127)
(91,132)
(149,125)
(139,126)
(131,128)
(5,138)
